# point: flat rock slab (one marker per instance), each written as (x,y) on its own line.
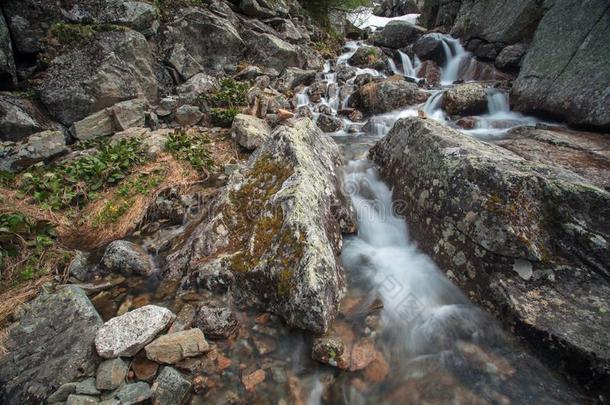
(51,345)
(127,334)
(172,348)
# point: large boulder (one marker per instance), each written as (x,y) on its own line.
(8,75)
(110,67)
(572,81)
(495,24)
(30,20)
(119,117)
(368,57)
(465,99)
(196,40)
(276,228)
(52,344)
(20,117)
(388,95)
(126,258)
(271,51)
(40,147)
(527,238)
(431,47)
(398,34)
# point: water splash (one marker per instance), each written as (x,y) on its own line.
(407,65)
(454,55)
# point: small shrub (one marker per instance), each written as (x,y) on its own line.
(192,148)
(232,94)
(223,117)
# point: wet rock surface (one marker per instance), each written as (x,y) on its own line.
(524,226)
(387,95)
(56,332)
(465,99)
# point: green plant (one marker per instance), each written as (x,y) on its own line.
(223,117)
(231,94)
(192,148)
(26,247)
(75,183)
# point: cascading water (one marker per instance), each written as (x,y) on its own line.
(407,65)
(454,55)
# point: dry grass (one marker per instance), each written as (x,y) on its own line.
(11,300)
(90,234)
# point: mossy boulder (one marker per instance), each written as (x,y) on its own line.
(276,229)
(525,238)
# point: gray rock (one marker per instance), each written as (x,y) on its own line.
(293,77)
(62,393)
(59,329)
(126,258)
(249,73)
(75,399)
(174,347)
(270,51)
(170,387)
(129,114)
(29,20)
(93,126)
(188,115)
(368,57)
(396,8)
(572,81)
(216,323)
(20,117)
(511,56)
(197,39)
(112,67)
(387,95)
(86,387)
(195,87)
(328,123)
(465,99)
(498,22)
(40,147)
(125,335)
(111,374)
(439,13)
(8,75)
(293,225)
(398,34)
(513,232)
(135,393)
(430,47)
(250,132)
(251,8)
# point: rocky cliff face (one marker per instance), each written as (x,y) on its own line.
(565,73)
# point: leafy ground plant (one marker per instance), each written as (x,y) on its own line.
(74,183)
(191,147)
(227,101)
(27,249)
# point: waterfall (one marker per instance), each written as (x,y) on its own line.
(497,102)
(407,66)
(454,54)
(432,108)
(302,98)
(393,67)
